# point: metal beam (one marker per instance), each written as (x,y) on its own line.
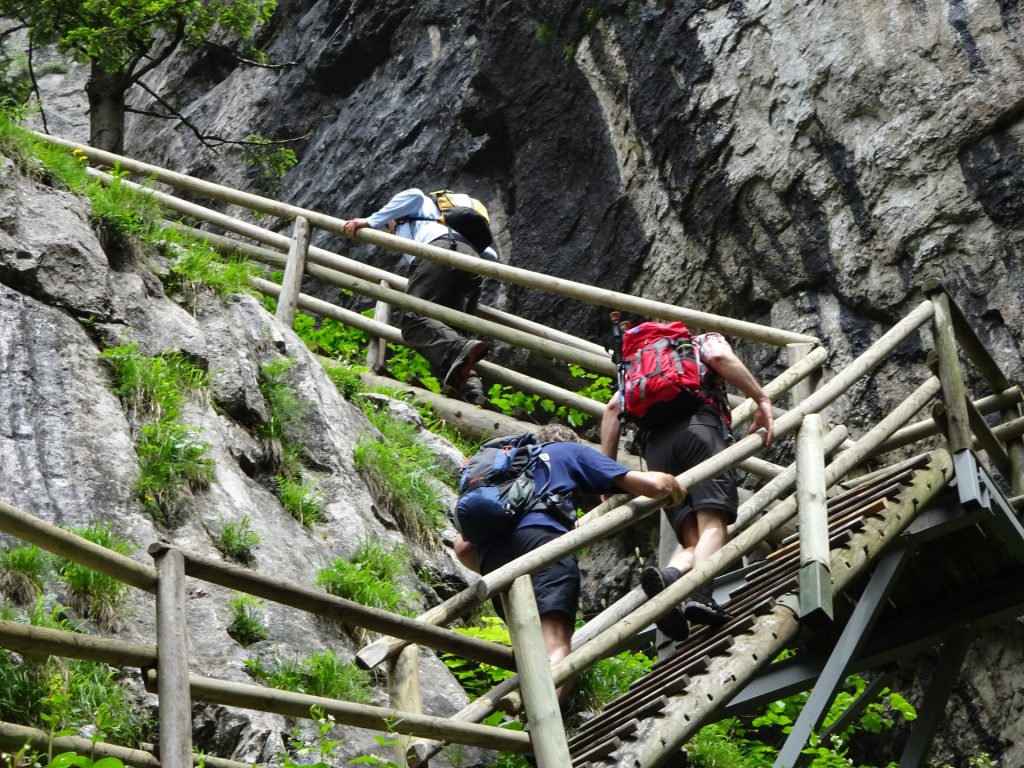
(869,607)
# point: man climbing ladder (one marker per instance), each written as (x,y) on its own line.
(451,356)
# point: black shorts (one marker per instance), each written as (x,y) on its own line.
(685,443)
(556,587)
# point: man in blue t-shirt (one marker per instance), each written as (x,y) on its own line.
(451,356)
(574,469)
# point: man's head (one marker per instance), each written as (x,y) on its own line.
(556,433)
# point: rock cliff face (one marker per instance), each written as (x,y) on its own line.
(67,452)
(806,165)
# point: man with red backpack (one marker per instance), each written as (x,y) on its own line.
(687,425)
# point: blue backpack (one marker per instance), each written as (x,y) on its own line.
(497,487)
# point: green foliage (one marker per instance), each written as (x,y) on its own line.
(246,627)
(65,694)
(513,402)
(95,594)
(542,33)
(320,674)
(475,677)
(734,743)
(370,577)
(409,366)
(116,35)
(272,159)
(195,264)
(15,84)
(287,408)
(171,459)
(403,474)
(22,572)
(303,500)
(237,540)
(608,679)
(326,336)
(153,387)
(346,378)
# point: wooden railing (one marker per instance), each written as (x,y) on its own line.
(772,505)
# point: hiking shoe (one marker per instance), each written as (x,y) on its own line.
(458,374)
(474,392)
(701,608)
(673,624)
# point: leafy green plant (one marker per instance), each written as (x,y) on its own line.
(22,573)
(286,407)
(477,678)
(608,679)
(346,378)
(271,158)
(153,387)
(92,593)
(237,540)
(246,627)
(331,338)
(407,365)
(303,500)
(369,577)
(320,674)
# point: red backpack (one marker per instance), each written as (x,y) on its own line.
(659,368)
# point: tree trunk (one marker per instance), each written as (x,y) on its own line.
(106,92)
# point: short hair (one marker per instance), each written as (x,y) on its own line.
(556,433)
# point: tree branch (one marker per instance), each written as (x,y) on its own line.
(209,141)
(35,84)
(241,59)
(158,59)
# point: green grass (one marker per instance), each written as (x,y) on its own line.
(303,500)
(23,571)
(58,694)
(172,459)
(236,541)
(153,388)
(320,674)
(246,627)
(370,577)
(403,475)
(91,593)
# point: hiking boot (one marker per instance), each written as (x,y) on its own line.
(673,624)
(458,374)
(474,392)
(701,608)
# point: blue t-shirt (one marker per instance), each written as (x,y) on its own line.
(574,467)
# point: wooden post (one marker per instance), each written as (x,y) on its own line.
(404,692)
(954,394)
(292,282)
(815,580)
(377,349)
(546,731)
(172,659)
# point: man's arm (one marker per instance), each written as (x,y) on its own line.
(717,353)
(653,485)
(408,202)
(611,428)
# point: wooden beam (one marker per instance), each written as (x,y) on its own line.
(404,692)
(546,731)
(383,719)
(292,282)
(31,529)
(40,642)
(954,393)
(175,711)
(272,587)
(503,272)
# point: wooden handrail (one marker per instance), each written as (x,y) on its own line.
(503,272)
